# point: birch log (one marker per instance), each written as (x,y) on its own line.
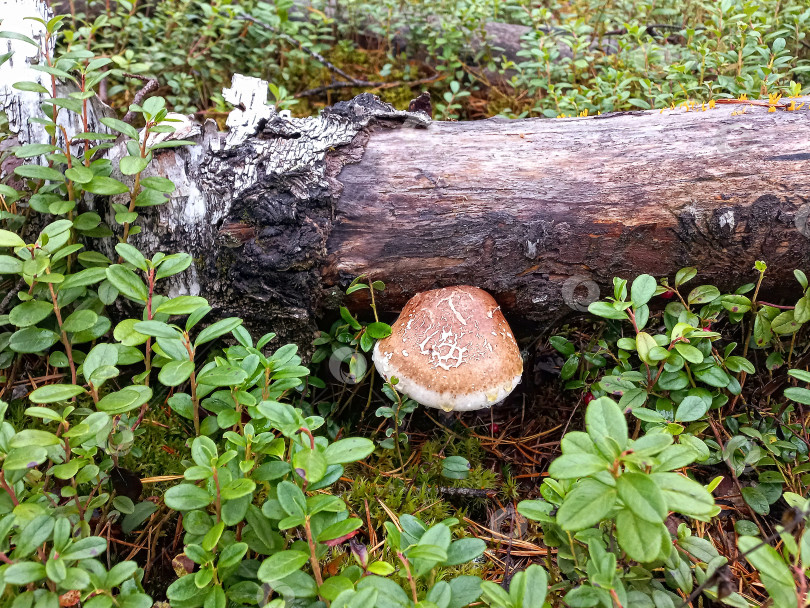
(281,213)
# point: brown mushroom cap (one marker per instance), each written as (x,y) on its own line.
(452,349)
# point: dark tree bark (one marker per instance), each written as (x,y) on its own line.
(542,213)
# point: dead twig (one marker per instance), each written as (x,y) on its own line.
(150,86)
(366,84)
(316,56)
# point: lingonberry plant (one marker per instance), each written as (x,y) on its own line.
(676,373)
(255,503)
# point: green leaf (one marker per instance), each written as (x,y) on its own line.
(182,305)
(689,352)
(642,289)
(215,330)
(348,450)
(431,553)
(23,573)
(127,282)
(586,505)
(161,184)
(691,408)
(125,333)
(378,331)
(645,343)
(641,540)
(801,313)
(291,499)
(237,488)
(703,294)
(573,466)
(33,437)
(10,265)
(55,392)
(762,330)
(31,87)
(335,585)
(31,150)
(38,172)
(495,595)
(121,127)
(156,329)
(232,555)
(739,364)
(713,376)
(25,458)
(736,303)
(455,467)
(32,340)
(281,565)
(683,495)
(130,254)
(756,499)
(105,186)
(130,165)
(606,426)
(464,550)
(681,455)
(10,239)
(124,400)
(79,174)
(187,497)
(785,323)
(586,596)
(85,548)
(85,277)
(222,375)
(29,313)
(775,574)
(80,320)
(347,316)
(563,346)
(799,395)
(175,373)
(87,221)
(340,529)
(606,310)
(528,589)
(312,463)
(173,264)
(536,510)
(641,495)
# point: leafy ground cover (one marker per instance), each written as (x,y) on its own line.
(567,58)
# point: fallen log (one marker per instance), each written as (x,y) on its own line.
(281,213)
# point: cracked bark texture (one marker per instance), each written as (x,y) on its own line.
(531,209)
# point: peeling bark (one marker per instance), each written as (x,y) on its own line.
(18,105)
(254,207)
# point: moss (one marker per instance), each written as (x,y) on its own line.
(160,446)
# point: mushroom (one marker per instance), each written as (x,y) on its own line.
(451,349)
